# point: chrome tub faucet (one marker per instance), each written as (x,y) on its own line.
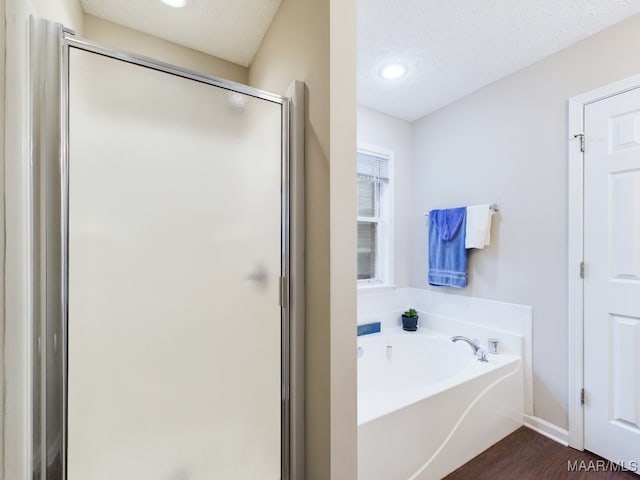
(480,354)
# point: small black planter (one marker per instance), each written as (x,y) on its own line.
(410,324)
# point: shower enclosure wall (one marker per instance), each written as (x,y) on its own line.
(167,316)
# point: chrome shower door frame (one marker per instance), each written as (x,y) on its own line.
(50,44)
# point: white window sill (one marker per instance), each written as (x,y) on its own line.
(375,288)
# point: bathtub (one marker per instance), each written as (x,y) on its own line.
(426,405)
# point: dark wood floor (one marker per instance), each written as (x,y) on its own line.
(527,455)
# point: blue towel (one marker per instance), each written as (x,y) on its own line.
(447,253)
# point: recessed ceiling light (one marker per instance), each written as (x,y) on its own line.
(175,3)
(393,71)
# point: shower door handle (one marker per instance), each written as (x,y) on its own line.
(260,276)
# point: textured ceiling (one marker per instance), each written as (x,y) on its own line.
(229,29)
(455,47)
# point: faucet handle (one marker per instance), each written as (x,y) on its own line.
(482,356)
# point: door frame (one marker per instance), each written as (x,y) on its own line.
(576,106)
(48,135)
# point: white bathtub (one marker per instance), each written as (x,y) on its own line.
(427,406)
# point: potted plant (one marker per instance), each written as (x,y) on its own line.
(410,320)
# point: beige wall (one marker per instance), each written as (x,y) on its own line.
(343,244)
(123,38)
(507,143)
(300,46)
(380,130)
(67,12)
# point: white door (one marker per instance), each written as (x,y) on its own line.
(612,279)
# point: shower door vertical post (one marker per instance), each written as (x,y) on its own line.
(296,281)
(48,247)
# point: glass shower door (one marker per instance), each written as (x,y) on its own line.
(175,258)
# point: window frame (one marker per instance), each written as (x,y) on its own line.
(385,225)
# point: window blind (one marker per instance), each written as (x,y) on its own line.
(367,238)
(367,198)
(372,168)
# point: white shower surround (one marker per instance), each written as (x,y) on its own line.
(426,406)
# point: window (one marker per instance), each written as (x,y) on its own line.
(374,219)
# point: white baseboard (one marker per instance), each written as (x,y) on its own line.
(547,429)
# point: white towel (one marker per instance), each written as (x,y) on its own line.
(478,234)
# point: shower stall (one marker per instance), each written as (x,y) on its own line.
(166,209)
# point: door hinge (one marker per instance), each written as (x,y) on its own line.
(581,137)
(283,292)
(581,269)
(582,396)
